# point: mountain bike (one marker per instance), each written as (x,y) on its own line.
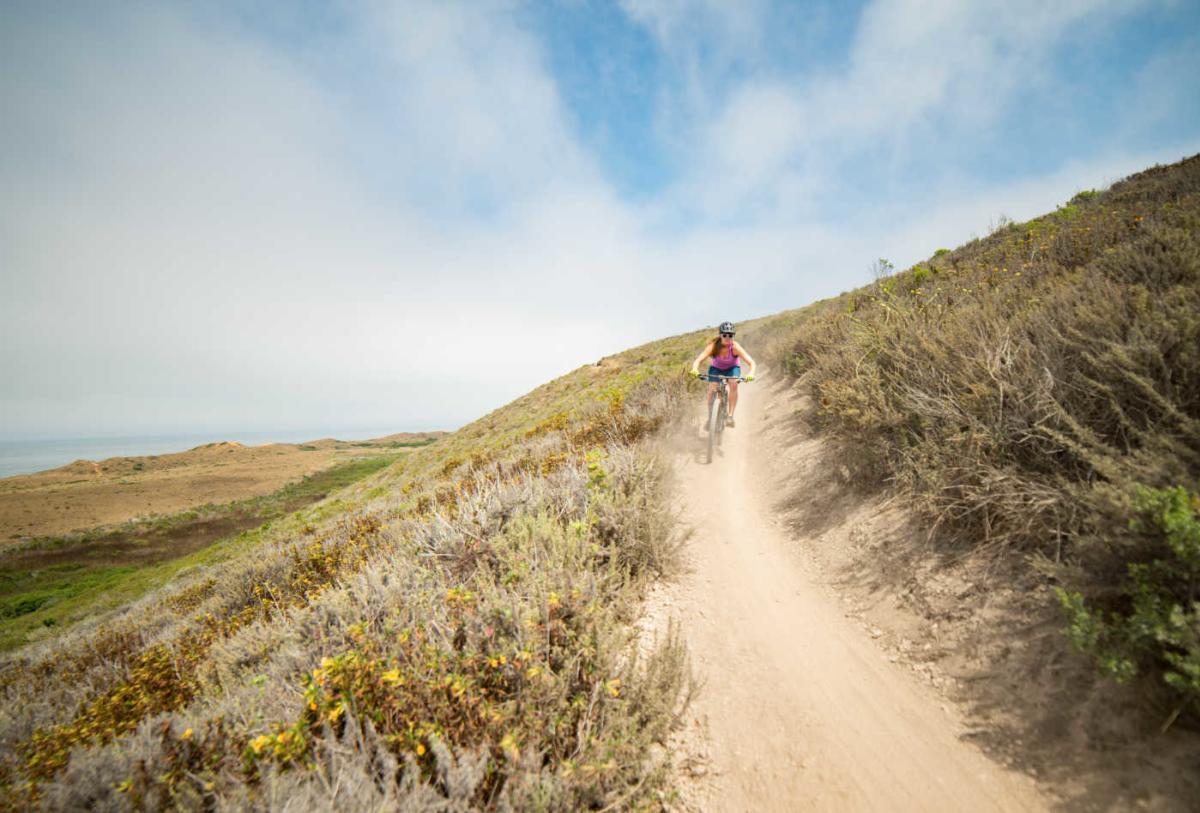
(718,410)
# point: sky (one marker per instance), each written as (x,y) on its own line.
(247,215)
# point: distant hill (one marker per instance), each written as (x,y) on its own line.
(86,493)
(508,554)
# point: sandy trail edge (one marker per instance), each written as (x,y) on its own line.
(799,709)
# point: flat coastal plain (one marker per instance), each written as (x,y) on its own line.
(86,494)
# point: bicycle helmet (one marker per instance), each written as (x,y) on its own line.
(726,327)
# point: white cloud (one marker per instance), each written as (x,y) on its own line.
(917,71)
(186,211)
(200,229)
(472,108)
(964,213)
(686,28)
(1156,97)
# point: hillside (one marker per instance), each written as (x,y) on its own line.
(1036,395)
(89,493)
(462,613)
(93,535)
(460,629)
(1016,426)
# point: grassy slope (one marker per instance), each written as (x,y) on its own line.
(458,616)
(473,595)
(1025,390)
(50,583)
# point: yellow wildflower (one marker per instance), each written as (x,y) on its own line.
(508,744)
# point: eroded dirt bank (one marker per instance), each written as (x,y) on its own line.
(800,708)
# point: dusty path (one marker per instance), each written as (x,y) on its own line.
(801,710)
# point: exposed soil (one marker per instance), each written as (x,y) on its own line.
(982,630)
(848,665)
(87,494)
(799,707)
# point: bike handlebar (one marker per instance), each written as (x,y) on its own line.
(714,378)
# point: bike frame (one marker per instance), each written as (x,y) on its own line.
(718,409)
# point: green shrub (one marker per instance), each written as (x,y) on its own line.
(22,605)
(1155,623)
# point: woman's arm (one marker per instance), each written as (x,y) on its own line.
(706,353)
(741,351)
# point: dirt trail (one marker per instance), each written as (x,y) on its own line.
(800,710)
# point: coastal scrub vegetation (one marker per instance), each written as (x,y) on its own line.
(1036,394)
(1160,618)
(454,630)
(48,583)
(451,632)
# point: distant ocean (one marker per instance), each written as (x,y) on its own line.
(28,456)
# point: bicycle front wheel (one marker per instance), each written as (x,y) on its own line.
(713,417)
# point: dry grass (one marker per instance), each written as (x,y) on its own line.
(48,584)
(88,495)
(452,631)
(1021,388)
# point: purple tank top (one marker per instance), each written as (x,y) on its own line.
(727,360)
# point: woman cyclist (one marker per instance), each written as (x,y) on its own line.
(725,357)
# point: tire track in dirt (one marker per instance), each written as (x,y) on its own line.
(799,709)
